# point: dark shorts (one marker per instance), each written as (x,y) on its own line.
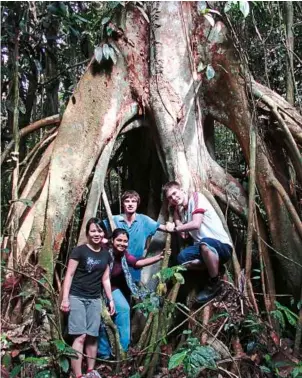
(84,316)
(224,251)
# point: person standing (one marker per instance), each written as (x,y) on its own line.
(139,227)
(122,287)
(212,245)
(87,272)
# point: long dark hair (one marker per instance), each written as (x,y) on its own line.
(98,222)
(117,232)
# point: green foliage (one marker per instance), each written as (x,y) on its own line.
(42,304)
(64,364)
(192,356)
(46,374)
(153,302)
(150,304)
(16,370)
(283,314)
(242,5)
(297,372)
(6,360)
(273,367)
(172,273)
(252,324)
(56,360)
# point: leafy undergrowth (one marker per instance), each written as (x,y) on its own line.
(233,342)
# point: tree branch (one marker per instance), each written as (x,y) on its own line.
(54,119)
(283,106)
(293,149)
(65,69)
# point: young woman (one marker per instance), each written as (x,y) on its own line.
(122,288)
(87,271)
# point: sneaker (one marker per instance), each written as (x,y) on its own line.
(209,292)
(92,374)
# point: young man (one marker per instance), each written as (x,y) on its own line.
(139,227)
(212,245)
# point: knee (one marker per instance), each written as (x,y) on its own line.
(181,258)
(82,338)
(205,250)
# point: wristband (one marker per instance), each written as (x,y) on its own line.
(110,300)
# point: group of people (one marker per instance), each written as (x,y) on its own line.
(113,268)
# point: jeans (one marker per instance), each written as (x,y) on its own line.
(121,319)
(224,251)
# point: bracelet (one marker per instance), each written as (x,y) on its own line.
(110,300)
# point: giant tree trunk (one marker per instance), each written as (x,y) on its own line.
(156,77)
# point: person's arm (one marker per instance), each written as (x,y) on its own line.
(194,224)
(71,268)
(107,287)
(163,227)
(177,222)
(151,226)
(148,261)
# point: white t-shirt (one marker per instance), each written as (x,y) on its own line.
(211,226)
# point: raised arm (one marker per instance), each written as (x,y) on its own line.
(71,268)
(148,261)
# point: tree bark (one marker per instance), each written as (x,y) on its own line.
(289,21)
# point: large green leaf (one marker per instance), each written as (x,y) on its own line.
(59,344)
(16,370)
(64,364)
(177,359)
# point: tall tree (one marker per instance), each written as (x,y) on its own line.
(168,66)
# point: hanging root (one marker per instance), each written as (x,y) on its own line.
(113,334)
(207,312)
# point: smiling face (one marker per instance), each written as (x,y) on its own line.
(176,196)
(95,235)
(120,243)
(130,205)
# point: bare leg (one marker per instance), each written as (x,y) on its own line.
(211,260)
(78,345)
(91,351)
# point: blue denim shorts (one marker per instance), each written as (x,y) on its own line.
(224,251)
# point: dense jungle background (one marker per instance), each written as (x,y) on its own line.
(100,97)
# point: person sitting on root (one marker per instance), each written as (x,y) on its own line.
(212,245)
(122,287)
(87,272)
